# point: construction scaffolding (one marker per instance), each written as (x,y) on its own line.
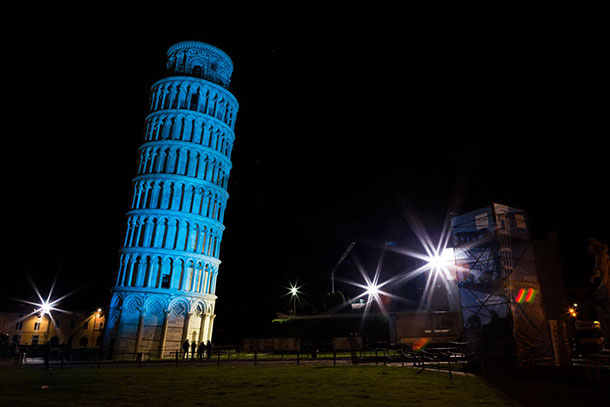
(500,297)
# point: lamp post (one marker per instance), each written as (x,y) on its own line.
(45,309)
(293,292)
(97,313)
(46,335)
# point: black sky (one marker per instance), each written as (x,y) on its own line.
(347,116)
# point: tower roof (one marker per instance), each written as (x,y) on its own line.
(199,59)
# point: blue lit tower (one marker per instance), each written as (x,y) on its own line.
(169,262)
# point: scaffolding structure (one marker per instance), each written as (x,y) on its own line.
(500,297)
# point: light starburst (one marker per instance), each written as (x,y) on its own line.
(436,261)
(45,306)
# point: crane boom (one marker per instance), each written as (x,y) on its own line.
(332,272)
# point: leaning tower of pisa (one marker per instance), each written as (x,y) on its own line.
(165,287)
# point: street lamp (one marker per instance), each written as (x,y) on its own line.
(45,308)
(372,290)
(572,312)
(293,292)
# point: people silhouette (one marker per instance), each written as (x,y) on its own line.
(201,350)
(185,348)
(193,350)
(209,349)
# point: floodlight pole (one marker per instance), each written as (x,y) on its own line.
(332,272)
(46,335)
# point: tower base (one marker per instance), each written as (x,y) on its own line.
(156,323)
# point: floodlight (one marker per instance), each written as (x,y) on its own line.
(372,289)
(45,308)
(442,260)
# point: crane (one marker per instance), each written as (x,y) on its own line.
(332,272)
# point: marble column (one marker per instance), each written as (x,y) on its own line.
(206,325)
(211,327)
(140,331)
(185,328)
(202,327)
(163,333)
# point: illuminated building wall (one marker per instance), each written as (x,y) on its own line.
(22,327)
(168,269)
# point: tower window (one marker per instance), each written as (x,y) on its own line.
(197,71)
(36,326)
(194,101)
(165,281)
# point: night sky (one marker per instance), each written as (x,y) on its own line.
(348,117)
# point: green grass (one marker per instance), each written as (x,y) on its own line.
(245,386)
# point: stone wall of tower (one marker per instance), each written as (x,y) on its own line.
(168,267)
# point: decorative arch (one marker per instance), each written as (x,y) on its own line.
(133,304)
(117,301)
(155,305)
(179,307)
(199,308)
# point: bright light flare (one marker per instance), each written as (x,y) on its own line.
(294,289)
(372,290)
(442,260)
(572,312)
(45,308)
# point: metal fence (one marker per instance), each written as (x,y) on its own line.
(594,369)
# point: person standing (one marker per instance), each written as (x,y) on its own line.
(193,350)
(201,350)
(185,348)
(209,349)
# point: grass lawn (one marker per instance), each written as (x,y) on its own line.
(268,386)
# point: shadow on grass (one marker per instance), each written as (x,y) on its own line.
(552,386)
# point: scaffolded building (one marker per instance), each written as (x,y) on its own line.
(500,297)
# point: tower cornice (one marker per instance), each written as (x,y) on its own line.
(171,252)
(206,82)
(186,112)
(172,293)
(179,143)
(178,214)
(184,178)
